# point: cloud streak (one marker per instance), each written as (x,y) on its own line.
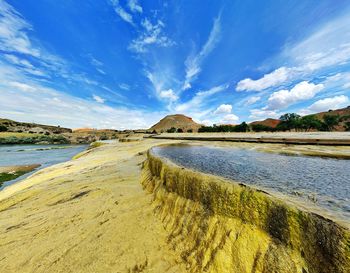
(152,34)
(193,62)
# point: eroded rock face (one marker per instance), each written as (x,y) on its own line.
(224,227)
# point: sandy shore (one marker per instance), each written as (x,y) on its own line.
(87,215)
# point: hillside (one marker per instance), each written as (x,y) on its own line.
(33,128)
(270,122)
(177,121)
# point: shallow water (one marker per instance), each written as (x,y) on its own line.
(321,181)
(46,155)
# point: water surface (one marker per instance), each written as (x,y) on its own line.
(46,155)
(321,181)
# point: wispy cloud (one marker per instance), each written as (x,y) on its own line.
(161,91)
(13,28)
(328,47)
(98,99)
(36,102)
(200,97)
(127,17)
(151,34)
(256,114)
(194,61)
(134,6)
(124,86)
(252,100)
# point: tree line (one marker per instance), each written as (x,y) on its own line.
(289,121)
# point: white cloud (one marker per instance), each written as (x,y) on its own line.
(127,17)
(263,114)
(327,104)
(152,34)
(193,62)
(206,122)
(252,100)
(13,28)
(124,86)
(274,78)
(168,94)
(48,106)
(230,119)
(158,83)
(199,98)
(223,109)
(21,86)
(328,47)
(98,99)
(134,6)
(300,92)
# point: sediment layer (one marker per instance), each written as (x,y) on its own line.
(219,226)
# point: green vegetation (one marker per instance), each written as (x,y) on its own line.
(25,138)
(331,121)
(174,130)
(10,176)
(292,121)
(262,128)
(289,121)
(96,145)
(3,128)
(347,126)
(243,127)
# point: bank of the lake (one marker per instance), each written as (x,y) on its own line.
(92,214)
(19,161)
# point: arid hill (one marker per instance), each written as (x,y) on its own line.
(25,127)
(177,121)
(270,122)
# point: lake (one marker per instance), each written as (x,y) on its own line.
(45,155)
(315,180)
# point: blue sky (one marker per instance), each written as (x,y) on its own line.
(127,63)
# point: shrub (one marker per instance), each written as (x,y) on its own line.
(103,137)
(3,128)
(171,130)
(189,131)
(347,126)
(180,130)
(331,121)
(262,128)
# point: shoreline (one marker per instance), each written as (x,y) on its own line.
(91,213)
(296,138)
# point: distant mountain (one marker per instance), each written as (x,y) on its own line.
(341,112)
(344,115)
(177,121)
(24,127)
(270,122)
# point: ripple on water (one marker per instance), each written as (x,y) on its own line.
(321,181)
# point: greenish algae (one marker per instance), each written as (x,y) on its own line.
(221,226)
(10,176)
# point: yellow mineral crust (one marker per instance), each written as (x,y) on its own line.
(220,226)
(91,214)
(85,215)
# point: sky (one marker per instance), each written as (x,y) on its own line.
(125,64)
